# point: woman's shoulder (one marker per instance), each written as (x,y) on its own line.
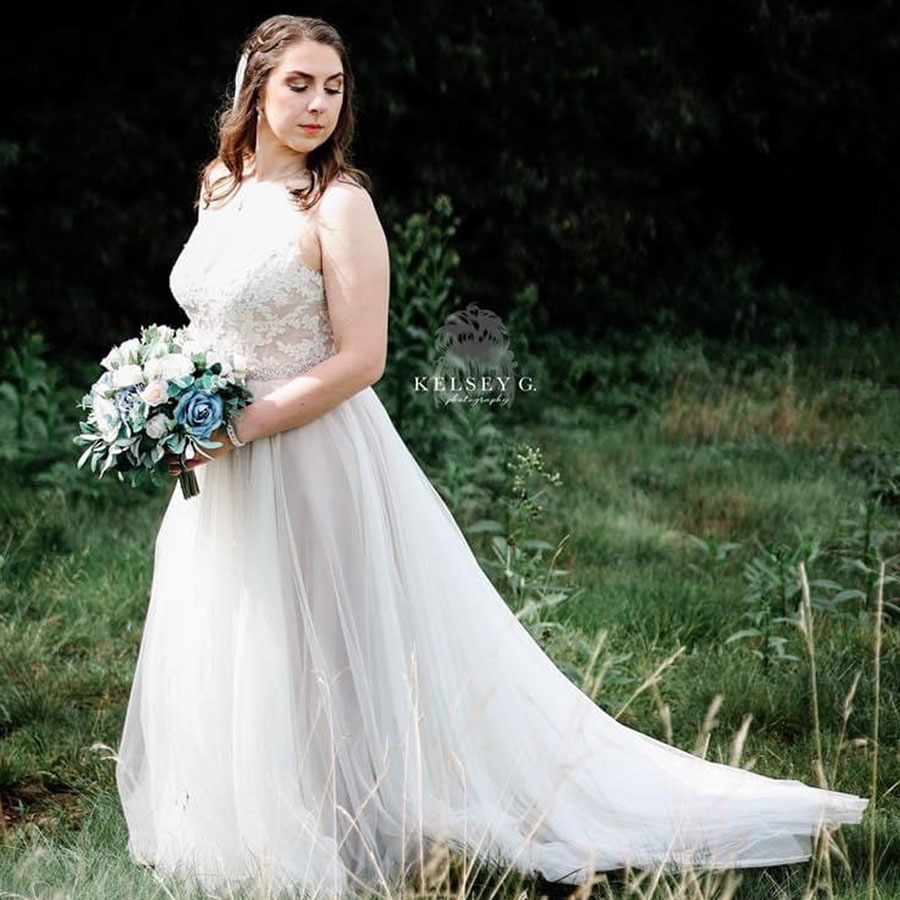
(343,194)
(346,184)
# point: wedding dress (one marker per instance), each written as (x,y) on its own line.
(328,685)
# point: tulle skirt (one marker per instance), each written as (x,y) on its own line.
(329,690)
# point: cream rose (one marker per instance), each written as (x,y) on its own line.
(155,393)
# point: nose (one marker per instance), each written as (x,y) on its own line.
(317,103)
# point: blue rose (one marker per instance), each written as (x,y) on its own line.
(125,398)
(200,412)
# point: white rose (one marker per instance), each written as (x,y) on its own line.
(155,393)
(106,415)
(175,365)
(112,360)
(190,347)
(156,427)
(157,349)
(212,357)
(165,332)
(130,349)
(128,375)
(152,369)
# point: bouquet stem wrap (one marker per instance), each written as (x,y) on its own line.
(188,481)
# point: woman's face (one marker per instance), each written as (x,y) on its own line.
(306,88)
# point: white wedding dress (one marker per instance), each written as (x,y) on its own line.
(328,684)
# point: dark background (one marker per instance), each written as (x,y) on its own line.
(730,167)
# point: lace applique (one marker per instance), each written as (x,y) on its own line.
(257,299)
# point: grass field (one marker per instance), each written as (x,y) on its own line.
(693,480)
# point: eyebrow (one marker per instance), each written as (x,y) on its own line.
(307,75)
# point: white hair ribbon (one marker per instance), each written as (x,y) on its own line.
(239,79)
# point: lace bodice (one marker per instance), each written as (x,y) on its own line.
(240,280)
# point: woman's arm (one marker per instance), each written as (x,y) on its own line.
(356,271)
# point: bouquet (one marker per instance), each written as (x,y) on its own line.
(161,392)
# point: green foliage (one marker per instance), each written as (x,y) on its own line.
(38,412)
(470,463)
(423,266)
(878,465)
(31,413)
(862,548)
(533,586)
(771,595)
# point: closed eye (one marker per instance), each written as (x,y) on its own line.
(327,90)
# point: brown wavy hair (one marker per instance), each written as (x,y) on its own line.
(237,128)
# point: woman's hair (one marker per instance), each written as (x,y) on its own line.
(237,127)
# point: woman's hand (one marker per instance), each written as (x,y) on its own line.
(220,434)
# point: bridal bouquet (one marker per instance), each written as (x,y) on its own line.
(161,392)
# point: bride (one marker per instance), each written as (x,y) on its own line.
(329,690)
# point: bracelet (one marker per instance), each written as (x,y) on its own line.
(232,434)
